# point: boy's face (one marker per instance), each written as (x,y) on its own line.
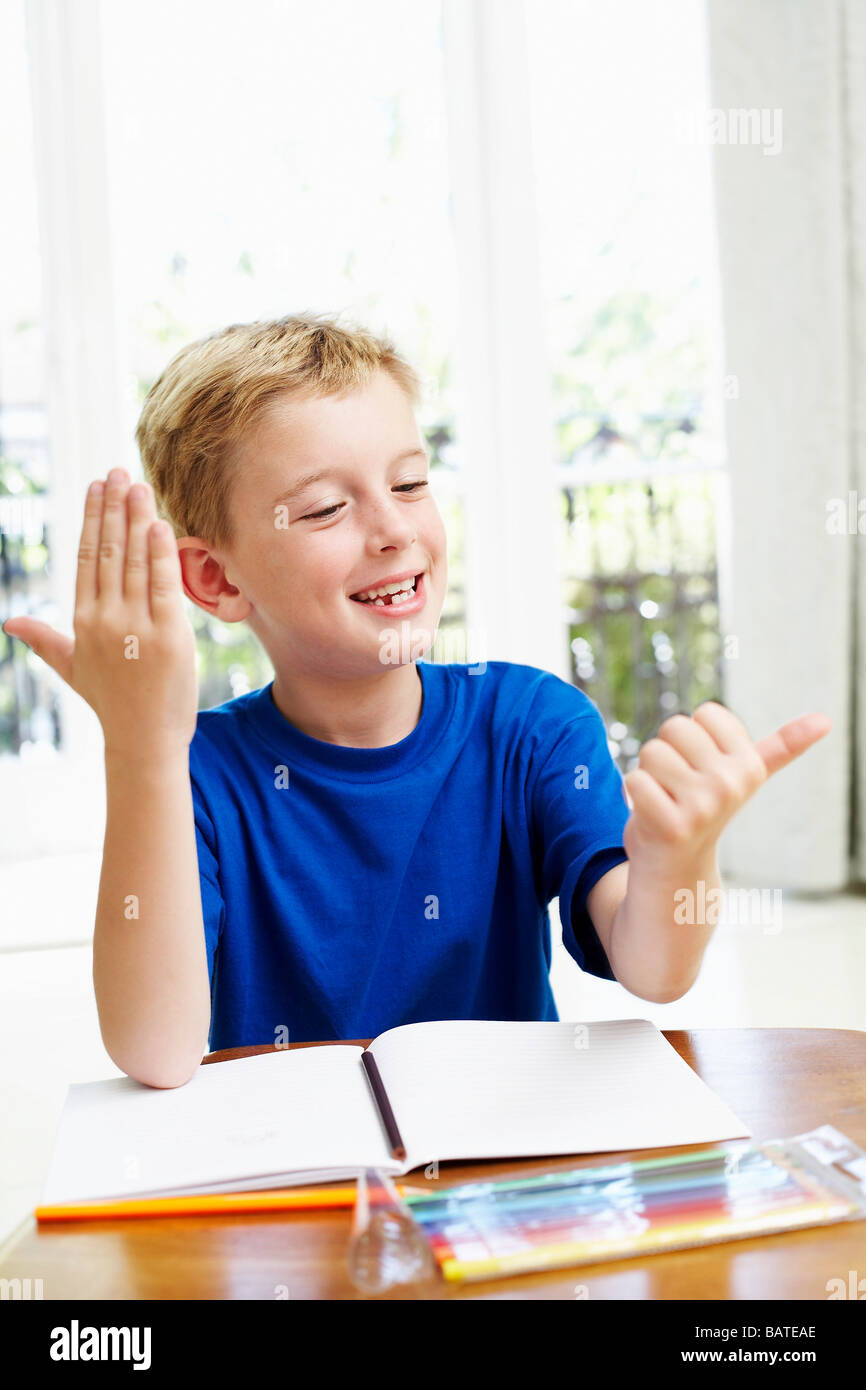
(304,547)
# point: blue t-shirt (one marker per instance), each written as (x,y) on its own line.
(349,890)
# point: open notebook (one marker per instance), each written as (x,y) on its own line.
(458,1090)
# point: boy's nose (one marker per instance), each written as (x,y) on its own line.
(391,528)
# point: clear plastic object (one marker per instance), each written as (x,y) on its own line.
(387,1246)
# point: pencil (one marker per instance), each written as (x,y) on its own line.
(272,1199)
(380,1096)
(699,1160)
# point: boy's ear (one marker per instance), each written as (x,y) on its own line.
(205,582)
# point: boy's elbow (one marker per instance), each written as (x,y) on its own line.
(667,995)
(163,1083)
(168,1083)
(160,1078)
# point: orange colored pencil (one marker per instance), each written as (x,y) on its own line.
(272,1199)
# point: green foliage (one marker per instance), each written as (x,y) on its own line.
(630,387)
(15,481)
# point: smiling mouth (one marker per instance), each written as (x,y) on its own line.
(391,600)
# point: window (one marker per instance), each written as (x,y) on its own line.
(300,164)
(29,721)
(628,263)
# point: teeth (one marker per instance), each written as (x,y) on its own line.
(405,586)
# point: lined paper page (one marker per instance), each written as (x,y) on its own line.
(307,1109)
(473,1089)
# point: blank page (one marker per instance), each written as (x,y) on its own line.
(473,1089)
(256,1117)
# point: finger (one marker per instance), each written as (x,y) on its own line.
(53,647)
(165,578)
(112,537)
(787,743)
(729,732)
(651,803)
(136,575)
(668,767)
(691,741)
(88,546)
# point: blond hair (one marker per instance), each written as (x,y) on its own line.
(214,391)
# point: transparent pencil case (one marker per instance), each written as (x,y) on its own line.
(731,1191)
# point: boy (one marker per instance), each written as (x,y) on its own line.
(371,839)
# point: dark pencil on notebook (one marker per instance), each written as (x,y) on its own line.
(380,1096)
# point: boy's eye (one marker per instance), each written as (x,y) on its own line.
(329,511)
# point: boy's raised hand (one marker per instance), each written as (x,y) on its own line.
(696,774)
(133,655)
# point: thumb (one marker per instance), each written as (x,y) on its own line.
(787,743)
(54,649)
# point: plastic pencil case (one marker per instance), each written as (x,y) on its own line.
(723,1192)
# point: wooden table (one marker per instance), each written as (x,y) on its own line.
(780,1081)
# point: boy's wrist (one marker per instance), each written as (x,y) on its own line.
(144,757)
(652,952)
(663,871)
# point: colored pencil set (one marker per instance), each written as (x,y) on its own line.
(487,1230)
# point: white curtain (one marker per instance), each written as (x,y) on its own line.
(855,86)
(792,250)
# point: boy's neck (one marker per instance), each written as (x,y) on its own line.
(372,713)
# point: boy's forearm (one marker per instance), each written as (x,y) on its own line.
(150,970)
(657,944)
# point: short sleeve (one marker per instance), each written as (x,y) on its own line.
(212,905)
(578,813)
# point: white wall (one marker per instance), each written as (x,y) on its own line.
(784,234)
